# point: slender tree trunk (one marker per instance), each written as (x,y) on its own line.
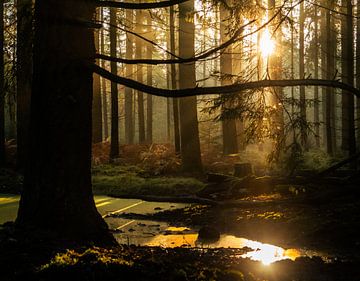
(2,89)
(190,143)
(23,77)
(57,196)
(275,72)
(149,78)
(347,65)
(114,146)
(103,83)
(140,76)
(303,131)
(316,73)
(173,84)
(96,108)
(329,97)
(129,116)
(230,144)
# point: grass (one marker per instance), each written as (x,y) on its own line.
(131,180)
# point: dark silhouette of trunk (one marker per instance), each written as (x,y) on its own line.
(2,89)
(358,70)
(316,73)
(103,83)
(114,145)
(230,145)
(96,108)
(140,76)
(347,66)
(23,78)
(173,84)
(149,77)
(190,143)
(57,196)
(303,131)
(323,49)
(129,116)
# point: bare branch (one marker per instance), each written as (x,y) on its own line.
(233,88)
(139,6)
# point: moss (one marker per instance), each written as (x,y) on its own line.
(129,180)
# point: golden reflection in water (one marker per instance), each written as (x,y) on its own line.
(264,253)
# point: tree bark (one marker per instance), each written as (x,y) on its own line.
(114,145)
(2,88)
(140,76)
(57,195)
(129,128)
(230,144)
(96,107)
(190,143)
(358,69)
(347,66)
(23,78)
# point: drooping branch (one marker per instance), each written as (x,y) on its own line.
(229,89)
(233,39)
(139,6)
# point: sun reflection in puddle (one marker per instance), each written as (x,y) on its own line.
(264,253)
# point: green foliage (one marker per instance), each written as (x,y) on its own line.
(130,180)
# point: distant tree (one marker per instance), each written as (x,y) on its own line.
(230,144)
(140,75)
(149,78)
(114,144)
(97,107)
(173,83)
(303,132)
(347,66)
(103,82)
(129,116)
(358,70)
(316,76)
(190,143)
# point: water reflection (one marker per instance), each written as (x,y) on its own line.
(265,253)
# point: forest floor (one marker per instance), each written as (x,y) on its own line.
(322,216)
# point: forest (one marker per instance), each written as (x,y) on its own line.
(179,140)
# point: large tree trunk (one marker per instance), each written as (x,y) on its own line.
(139,76)
(57,195)
(23,77)
(173,84)
(347,66)
(96,109)
(2,89)
(190,143)
(230,145)
(114,145)
(129,116)
(149,78)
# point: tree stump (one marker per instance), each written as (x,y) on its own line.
(243,169)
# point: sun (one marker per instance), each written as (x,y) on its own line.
(266,44)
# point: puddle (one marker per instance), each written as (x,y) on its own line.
(147,233)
